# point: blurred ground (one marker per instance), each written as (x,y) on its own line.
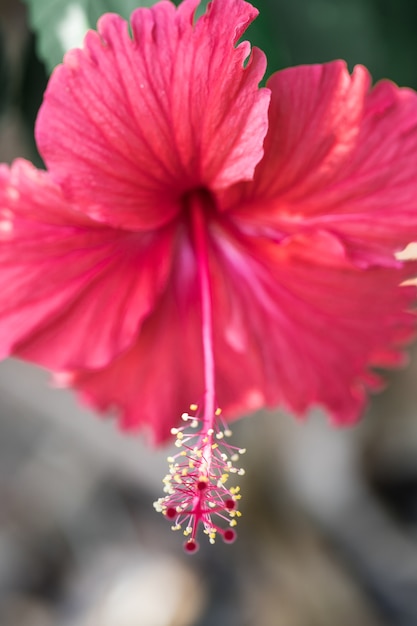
(329,532)
(81,545)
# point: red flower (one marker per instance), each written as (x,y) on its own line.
(196,237)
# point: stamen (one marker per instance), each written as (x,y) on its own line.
(196,488)
(196,485)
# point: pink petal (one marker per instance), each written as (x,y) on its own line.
(152,384)
(296,325)
(74,293)
(309,321)
(314,121)
(128,125)
(338,156)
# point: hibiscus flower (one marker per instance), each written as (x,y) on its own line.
(197,238)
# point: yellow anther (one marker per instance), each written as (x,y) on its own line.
(180,435)
(239,513)
(193,407)
(184,472)
(217,411)
(191,464)
(224,478)
(233,522)
(214,446)
(183,453)
(170,459)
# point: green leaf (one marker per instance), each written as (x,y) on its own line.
(61,24)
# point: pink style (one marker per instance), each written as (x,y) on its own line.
(198,239)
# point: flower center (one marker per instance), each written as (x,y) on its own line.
(196,489)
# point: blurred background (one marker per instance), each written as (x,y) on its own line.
(329,531)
